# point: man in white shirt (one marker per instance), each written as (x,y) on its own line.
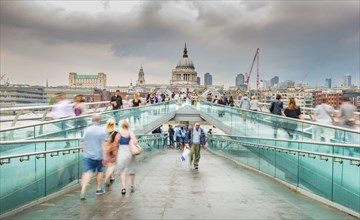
(63,107)
(194,139)
(323,114)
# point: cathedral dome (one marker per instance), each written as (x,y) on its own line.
(185,62)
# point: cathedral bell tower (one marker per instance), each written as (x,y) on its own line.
(141,77)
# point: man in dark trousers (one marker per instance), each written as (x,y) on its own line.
(194,138)
(276,108)
(171,132)
(116,102)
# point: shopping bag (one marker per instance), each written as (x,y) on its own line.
(185,154)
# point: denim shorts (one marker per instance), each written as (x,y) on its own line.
(93,165)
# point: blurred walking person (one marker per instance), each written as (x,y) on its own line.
(110,152)
(231,101)
(63,108)
(254,105)
(116,102)
(79,110)
(136,102)
(346,119)
(94,139)
(126,163)
(171,132)
(323,114)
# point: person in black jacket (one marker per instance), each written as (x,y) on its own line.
(292,111)
(276,107)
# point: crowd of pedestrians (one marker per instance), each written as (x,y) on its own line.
(323,113)
(107,148)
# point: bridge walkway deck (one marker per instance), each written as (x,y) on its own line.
(168,189)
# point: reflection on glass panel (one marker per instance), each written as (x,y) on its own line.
(37,177)
(335,179)
(346,185)
(287,167)
(21,183)
(315,175)
(267,162)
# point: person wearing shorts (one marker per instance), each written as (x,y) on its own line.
(94,139)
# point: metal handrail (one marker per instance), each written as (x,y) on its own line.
(293,141)
(286,118)
(46,106)
(41,154)
(303,108)
(292,151)
(158,136)
(37,141)
(81,116)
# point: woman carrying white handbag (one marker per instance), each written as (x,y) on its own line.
(126,163)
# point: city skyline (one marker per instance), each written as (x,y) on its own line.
(300,41)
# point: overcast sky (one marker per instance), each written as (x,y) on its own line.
(298,40)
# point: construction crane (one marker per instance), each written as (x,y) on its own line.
(247,76)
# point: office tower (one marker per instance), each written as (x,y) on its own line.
(207,79)
(274,81)
(347,80)
(328,83)
(239,80)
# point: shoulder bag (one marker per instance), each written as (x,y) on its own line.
(135,149)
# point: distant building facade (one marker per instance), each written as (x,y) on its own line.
(333,97)
(208,79)
(274,81)
(87,81)
(328,83)
(264,84)
(198,80)
(18,95)
(347,81)
(303,98)
(239,80)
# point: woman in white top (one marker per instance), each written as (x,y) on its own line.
(254,103)
(126,102)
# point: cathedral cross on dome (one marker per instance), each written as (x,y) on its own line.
(185,52)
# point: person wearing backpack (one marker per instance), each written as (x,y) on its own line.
(194,139)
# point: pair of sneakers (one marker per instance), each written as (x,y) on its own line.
(98,192)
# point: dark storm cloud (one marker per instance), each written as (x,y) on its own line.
(294,37)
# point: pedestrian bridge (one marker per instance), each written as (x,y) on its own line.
(247,174)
